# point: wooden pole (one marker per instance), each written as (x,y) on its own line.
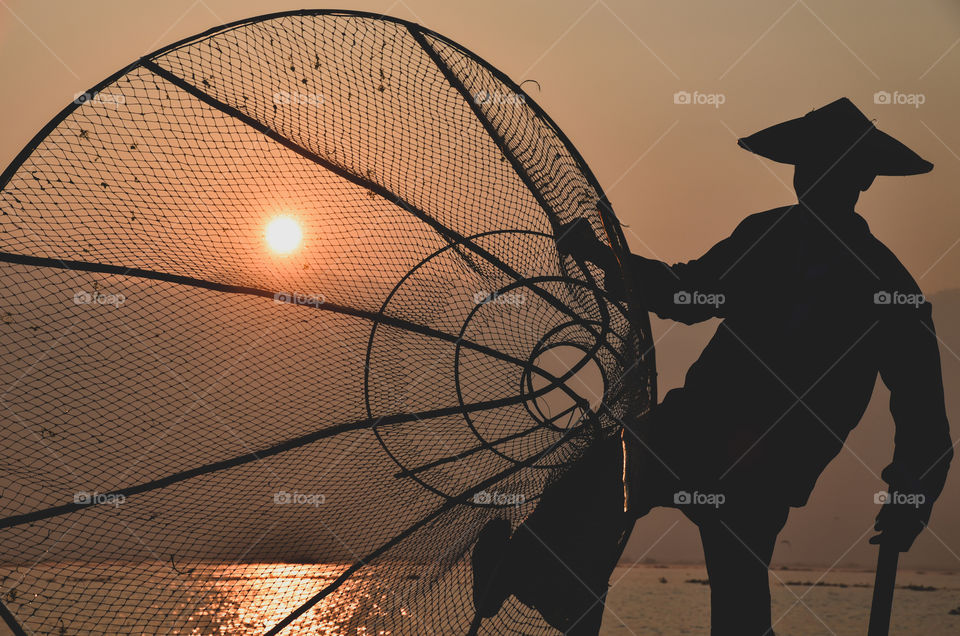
(883,587)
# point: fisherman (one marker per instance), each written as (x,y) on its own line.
(813,307)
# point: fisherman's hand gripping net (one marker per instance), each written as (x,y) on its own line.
(204,436)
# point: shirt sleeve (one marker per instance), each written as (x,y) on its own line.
(694,291)
(910,367)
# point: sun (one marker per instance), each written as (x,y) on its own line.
(283,235)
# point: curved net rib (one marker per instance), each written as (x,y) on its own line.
(204,436)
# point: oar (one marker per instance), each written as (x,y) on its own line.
(883,587)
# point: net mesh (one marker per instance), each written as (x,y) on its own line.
(204,436)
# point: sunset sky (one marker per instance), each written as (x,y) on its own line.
(609,72)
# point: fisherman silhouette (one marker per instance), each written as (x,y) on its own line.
(813,308)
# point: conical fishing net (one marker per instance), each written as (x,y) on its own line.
(203,434)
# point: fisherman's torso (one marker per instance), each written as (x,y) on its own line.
(792,368)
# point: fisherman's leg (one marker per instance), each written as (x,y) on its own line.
(560,559)
(737,547)
(659,458)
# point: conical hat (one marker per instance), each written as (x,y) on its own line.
(836,131)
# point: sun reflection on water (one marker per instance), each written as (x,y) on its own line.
(252,598)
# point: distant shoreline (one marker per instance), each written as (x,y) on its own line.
(947,571)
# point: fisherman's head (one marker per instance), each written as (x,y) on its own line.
(837,153)
(824,187)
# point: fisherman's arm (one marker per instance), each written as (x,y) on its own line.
(688,292)
(923,448)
